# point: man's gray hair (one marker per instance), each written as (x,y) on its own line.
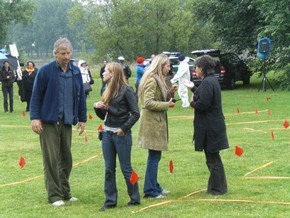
(61,43)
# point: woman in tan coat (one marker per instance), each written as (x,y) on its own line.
(155,100)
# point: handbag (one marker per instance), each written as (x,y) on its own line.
(87,87)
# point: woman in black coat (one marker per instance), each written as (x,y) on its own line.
(209,123)
(28,77)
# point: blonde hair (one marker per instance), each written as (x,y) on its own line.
(155,69)
(116,83)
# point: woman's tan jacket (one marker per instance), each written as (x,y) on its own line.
(153,129)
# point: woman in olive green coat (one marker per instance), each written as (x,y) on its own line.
(155,100)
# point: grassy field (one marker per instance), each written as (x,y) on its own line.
(259,180)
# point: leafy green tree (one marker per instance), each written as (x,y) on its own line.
(276,17)
(13,12)
(49,22)
(132,28)
(237,25)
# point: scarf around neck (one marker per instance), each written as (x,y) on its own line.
(30,70)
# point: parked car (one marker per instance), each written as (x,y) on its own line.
(174,62)
(229,68)
(172,53)
(147,61)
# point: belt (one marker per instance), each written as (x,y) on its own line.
(111,129)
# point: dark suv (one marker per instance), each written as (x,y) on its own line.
(229,68)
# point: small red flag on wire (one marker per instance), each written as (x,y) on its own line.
(239,151)
(269,112)
(238,110)
(22,162)
(23,113)
(267,98)
(257,112)
(134,177)
(90,116)
(286,124)
(100,128)
(272,134)
(86,139)
(171,167)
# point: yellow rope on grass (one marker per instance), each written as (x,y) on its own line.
(37,177)
(167,202)
(263,166)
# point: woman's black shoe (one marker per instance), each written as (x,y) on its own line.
(133,204)
(105,207)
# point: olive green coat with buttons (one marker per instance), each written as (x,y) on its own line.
(153,128)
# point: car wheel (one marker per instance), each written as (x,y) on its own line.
(231,83)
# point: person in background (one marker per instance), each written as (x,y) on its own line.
(7,78)
(181,75)
(21,91)
(139,71)
(28,77)
(151,59)
(58,101)
(126,68)
(102,77)
(119,110)
(209,123)
(153,130)
(86,76)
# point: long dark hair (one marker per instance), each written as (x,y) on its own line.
(3,67)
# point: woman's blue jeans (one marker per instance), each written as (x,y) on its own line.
(151,185)
(114,145)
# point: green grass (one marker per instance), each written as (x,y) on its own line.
(247,197)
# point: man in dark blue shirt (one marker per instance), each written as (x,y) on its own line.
(57,103)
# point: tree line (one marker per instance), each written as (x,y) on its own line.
(142,27)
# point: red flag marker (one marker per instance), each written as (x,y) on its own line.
(22,162)
(90,117)
(286,124)
(134,177)
(239,151)
(272,134)
(238,110)
(171,167)
(257,112)
(23,113)
(269,112)
(267,98)
(100,128)
(86,139)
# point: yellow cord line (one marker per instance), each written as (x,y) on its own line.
(263,166)
(167,202)
(37,177)
(182,199)
(239,201)
(267,177)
